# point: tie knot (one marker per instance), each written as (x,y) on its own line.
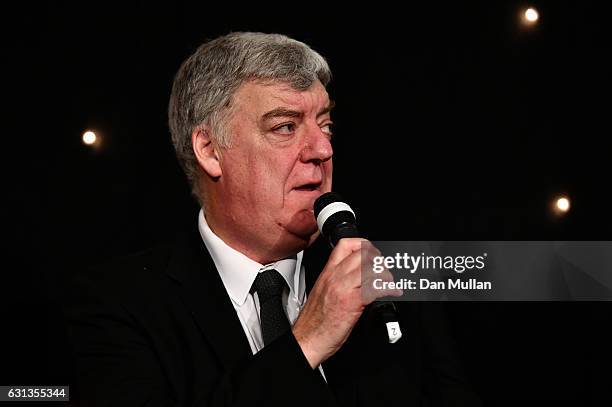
(268,284)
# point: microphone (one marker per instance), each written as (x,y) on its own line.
(336,220)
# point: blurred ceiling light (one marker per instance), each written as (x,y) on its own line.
(89,137)
(531,15)
(562,205)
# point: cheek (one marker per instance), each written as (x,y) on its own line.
(266,181)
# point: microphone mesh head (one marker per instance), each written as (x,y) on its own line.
(335,218)
(324,200)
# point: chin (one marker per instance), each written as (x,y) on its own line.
(303,221)
(302,226)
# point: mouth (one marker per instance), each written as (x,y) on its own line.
(308,187)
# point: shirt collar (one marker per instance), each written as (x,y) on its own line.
(238,272)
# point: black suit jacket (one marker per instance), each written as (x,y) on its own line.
(158,329)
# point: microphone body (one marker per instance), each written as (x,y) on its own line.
(336,220)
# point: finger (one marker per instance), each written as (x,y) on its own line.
(358,259)
(380,285)
(371,295)
(344,248)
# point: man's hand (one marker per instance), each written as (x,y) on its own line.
(336,301)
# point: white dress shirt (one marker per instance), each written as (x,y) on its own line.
(238,272)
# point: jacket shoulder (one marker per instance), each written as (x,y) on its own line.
(135,275)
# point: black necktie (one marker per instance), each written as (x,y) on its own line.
(269,285)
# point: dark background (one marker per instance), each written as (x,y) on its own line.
(453,122)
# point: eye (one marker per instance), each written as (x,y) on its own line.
(327,128)
(287,129)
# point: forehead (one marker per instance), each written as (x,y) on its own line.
(259,97)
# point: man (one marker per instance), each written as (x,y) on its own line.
(235,313)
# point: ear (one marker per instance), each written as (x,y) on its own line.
(205,151)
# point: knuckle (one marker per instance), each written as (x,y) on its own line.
(347,242)
(367,245)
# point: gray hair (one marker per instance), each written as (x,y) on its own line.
(206,82)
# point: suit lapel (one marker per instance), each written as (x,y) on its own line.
(202,291)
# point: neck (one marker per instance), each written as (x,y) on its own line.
(248,243)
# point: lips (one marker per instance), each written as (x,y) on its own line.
(308,186)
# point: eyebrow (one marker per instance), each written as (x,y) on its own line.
(327,108)
(284,112)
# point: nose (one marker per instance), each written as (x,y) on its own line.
(317,146)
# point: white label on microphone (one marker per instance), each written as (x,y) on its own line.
(329,210)
(393,331)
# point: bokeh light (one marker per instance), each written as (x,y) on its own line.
(89,137)
(531,15)
(562,205)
